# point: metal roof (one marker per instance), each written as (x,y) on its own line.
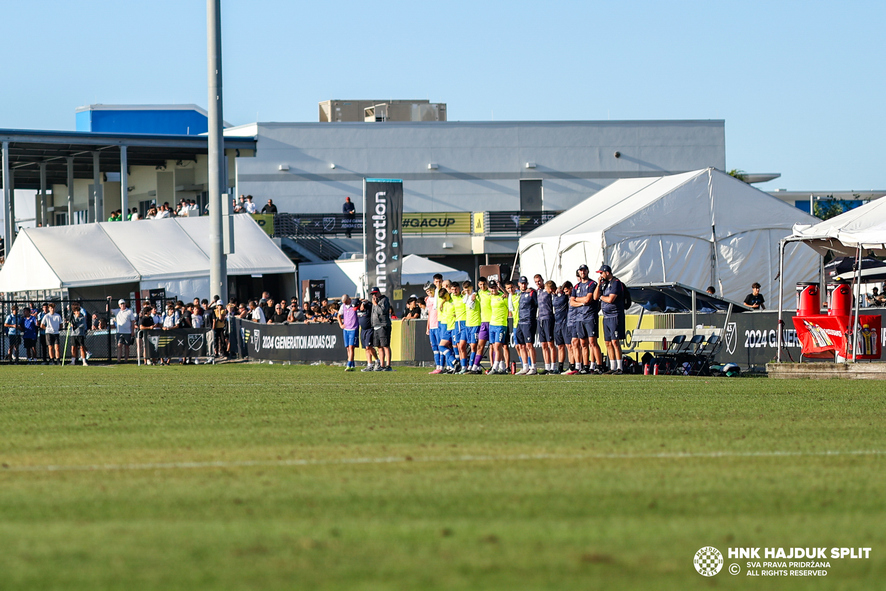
(29,148)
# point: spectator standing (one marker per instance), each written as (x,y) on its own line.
(41,333)
(249,206)
(219,325)
(269,207)
(755,299)
(256,314)
(52,323)
(13,326)
(279,315)
(364,319)
(79,325)
(125,320)
(30,327)
(350,216)
(381,328)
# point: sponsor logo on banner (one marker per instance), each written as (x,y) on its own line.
(195,341)
(731,337)
(383,244)
(256,337)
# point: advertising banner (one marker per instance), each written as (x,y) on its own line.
(383,240)
(288,342)
(823,336)
(437,223)
(180,342)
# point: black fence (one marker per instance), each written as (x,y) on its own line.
(100,337)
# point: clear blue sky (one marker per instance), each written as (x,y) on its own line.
(799,84)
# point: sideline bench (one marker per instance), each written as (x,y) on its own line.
(649,340)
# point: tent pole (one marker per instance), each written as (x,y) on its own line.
(780,327)
(855,282)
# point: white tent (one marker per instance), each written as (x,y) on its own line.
(697,228)
(346,276)
(863,226)
(419,270)
(169,253)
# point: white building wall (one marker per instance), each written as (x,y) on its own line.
(479,164)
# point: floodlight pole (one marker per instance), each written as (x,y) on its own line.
(218,272)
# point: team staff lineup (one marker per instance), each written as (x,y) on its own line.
(465,325)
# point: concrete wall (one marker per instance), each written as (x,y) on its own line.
(479,164)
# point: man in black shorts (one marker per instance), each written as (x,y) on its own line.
(610,291)
(79,323)
(364,319)
(381,328)
(587,322)
(545,293)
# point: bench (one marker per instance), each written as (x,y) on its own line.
(649,340)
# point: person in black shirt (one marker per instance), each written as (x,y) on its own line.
(364,319)
(279,315)
(755,299)
(269,207)
(350,215)
(544,295)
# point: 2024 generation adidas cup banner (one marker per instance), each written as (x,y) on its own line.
(382,235)
(289,342)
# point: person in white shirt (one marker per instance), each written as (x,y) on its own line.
(249,205)
(51,323)
(163,213)
(125,320)
(256,313)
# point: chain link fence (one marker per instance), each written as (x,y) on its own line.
(25,342)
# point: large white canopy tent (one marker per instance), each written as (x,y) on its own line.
(169,253)
(857,233)
(697,228)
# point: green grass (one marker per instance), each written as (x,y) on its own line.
(255,477)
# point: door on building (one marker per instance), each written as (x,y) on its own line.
(531,195)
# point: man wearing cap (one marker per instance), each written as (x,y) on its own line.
(610,291)
(381,328)
(125,320)
(52,323)
(527,324)
(587,322)
(364,320)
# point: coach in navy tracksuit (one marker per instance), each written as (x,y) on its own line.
(610,291)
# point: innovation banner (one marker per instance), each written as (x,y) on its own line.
(382,236)
(287,342)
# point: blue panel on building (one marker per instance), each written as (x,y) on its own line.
(153,121)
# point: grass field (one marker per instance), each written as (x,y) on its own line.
(285,477)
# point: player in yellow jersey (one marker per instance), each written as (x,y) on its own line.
(472,325)
(498,329)
(484,297)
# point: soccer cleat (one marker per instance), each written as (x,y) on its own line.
(491,371)
(597,371)
(349,368)
(435,372)
(522,372)
(571,372)
(368,368)
(387,368)
(552,372)
(583,372)
(532,372)
(84,362)
(463,371)
(617,372)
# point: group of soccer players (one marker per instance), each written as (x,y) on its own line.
(464,324)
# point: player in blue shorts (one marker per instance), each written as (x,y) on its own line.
(347,320)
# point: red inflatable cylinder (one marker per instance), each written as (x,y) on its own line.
(808,299)
(840,299)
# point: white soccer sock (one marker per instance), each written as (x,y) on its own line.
(618,363)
